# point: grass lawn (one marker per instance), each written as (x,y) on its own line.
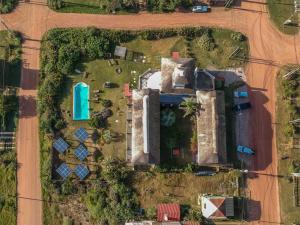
(289,213)
(219,56)
(153,188)
(163,186)
(280,11)
(10,64)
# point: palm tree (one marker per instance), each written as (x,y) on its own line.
(190,106)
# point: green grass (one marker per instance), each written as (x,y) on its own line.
(10,65)
(154,188)
(219,56)
(289,213)
(280,11)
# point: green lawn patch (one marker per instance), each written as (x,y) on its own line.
(280,11)
(286,135)
(65,51)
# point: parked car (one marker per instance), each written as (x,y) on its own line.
(241,94)
(242,106)
(201,9)
(245,150)
(205,173)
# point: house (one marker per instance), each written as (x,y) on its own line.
(217,207)
(168,212)
(177,80)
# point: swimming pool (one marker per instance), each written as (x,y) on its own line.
(81,93)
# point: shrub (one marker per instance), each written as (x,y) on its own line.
(55,4)
(67,221)
(206,42)
(97,122)
(106,135)
(236,36)
(7,6)
(106,103)
(68,187)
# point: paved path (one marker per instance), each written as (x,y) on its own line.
(268,49)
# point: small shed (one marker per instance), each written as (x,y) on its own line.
(168,212)
(120,52)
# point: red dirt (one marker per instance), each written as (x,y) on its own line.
(269,49)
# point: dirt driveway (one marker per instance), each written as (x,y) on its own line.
(269,49)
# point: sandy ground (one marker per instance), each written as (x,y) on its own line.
(269,49)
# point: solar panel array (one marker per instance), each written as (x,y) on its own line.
(81,152)
(81,171)
(60,145)
(81,134)
(64,171)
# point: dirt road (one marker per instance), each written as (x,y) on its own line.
(269,49)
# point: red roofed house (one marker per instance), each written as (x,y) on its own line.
(168,212)
(217,207)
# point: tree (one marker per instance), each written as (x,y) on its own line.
(97,122)
(190,106)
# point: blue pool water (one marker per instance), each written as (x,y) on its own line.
(81,93)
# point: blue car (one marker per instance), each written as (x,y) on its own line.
(245,150)
(241,94)
(201,9)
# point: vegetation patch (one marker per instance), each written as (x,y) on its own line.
(118,6)
(7,6)
(282,10)
(9,75)
(70,56)
(287,136)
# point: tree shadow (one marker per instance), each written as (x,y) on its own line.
(29,79)
(27,106)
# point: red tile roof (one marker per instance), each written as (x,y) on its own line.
(191,223)
(168,212)
(220,204)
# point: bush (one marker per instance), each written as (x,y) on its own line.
(106,103)
(236,36)
(106,135)
(97,122)
(7,5)
(67,221)
(68,187)
(55,4)
(206,42)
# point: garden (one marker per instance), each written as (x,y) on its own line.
(287,136)
(10,63)
(71,56)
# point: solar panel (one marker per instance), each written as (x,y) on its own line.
(63,170)
(81,171)
(81,134)
(81,152)
(60,145)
